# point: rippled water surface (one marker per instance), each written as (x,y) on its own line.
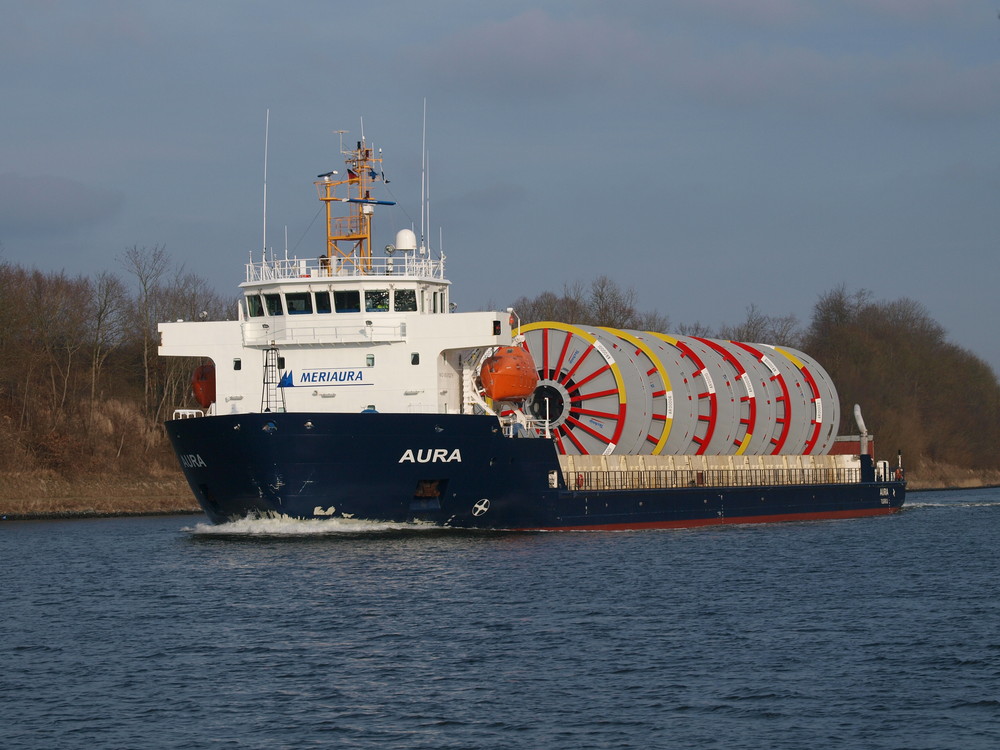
(167,632)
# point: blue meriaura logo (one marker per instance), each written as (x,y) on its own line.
(342,376)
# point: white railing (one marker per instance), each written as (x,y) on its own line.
(676,478)
(302,268)
(325,334)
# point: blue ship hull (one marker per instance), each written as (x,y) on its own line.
(460,471)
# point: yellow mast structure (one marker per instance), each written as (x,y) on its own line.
(349,238)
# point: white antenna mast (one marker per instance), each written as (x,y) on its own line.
(341,134)
(267,125)
(362,129)
(423,177)
(428,249)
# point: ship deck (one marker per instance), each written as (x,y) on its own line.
(624,472)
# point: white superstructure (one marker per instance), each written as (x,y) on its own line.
(344,332)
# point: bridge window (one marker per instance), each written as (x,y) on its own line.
(322,302)
(376,300)
(298,303)
(254,306)
(273,302)
(347,302)
(405,300)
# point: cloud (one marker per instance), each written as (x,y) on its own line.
(66,30)
(916,10)
(47,206)
(937,88)
(760,13)
(704,52)
(496,197)
(832,83)
(536,55)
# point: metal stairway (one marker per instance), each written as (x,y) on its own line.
(272,397)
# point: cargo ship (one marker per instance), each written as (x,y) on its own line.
(349,387)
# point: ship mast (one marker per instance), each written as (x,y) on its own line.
(349,238)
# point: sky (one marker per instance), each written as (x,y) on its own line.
(708,154)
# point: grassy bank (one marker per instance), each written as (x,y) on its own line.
(49,495)
(937,476)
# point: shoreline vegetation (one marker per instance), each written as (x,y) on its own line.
(48,496)
(40,495)
(84,393)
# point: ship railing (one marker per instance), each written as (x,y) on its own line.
(671,479)
(326,334)
(188,413)
(323,267)
(517,424)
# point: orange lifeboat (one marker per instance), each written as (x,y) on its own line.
(203,385)
(508,374)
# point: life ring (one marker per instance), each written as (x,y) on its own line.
(899,475)
(579,480)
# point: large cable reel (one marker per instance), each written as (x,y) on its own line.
(607,390)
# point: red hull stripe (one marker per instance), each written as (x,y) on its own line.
(695,523)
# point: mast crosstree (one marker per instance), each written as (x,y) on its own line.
(349,238)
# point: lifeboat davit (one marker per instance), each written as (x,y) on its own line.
(203,385)
(509,374)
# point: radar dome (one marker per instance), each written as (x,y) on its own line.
(406,240)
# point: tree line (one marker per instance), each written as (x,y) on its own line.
(83,390)
(81,386)
(920,393)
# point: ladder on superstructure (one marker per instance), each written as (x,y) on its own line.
(272,397)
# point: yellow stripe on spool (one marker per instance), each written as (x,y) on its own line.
(644,348)
(744,444)
(791,357)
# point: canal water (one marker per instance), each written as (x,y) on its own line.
(168,632)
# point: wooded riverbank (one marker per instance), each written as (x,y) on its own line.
(83,392)
(48,495)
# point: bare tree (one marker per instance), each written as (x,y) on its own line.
(59,328)
(696,329)
(610,305)
(763,329)
(602,303)
(109,306)
(148,266)
(933,400)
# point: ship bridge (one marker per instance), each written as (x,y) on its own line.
(345,331)
(326,301)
